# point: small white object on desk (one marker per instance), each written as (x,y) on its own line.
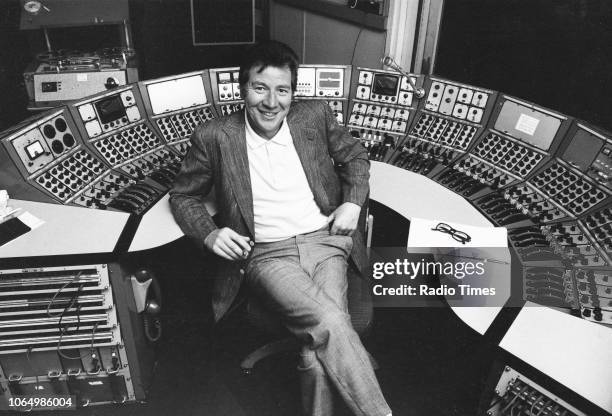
(5,210)
(30,220)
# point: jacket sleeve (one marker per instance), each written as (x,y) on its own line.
(193,182)
(350,159)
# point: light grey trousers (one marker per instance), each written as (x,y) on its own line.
(303,280)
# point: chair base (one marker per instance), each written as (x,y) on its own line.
(282,345)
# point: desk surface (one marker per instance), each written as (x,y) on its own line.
(414,195)
(66,230)
(74,230)
(575,352)
(158,227)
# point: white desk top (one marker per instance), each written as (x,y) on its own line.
(157,226)
(416,196)
(66,230)
(575,352)
(75,230)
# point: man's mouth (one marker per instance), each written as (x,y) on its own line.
(268,114)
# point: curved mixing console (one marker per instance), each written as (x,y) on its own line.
(107,161)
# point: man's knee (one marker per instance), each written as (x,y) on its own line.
(330,323)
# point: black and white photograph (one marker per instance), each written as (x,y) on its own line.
(306,207)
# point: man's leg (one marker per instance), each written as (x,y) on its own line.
(329,273)
(279,274)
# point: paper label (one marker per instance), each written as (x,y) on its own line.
(30,220)
(527,124)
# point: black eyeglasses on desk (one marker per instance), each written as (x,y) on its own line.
(457,235)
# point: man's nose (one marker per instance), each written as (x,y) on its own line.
(271,99)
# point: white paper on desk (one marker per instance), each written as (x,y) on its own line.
(489,244)
(422,235)
(30,220)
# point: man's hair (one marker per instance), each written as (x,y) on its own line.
(265,54)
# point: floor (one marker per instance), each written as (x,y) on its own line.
(430,362)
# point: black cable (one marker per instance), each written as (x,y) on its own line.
(91,346)
(355,45)
(76,277)
(358,34)
(71,303)
(535,401)
(64,329)
(514,399)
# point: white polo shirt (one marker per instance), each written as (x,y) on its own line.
(283,203)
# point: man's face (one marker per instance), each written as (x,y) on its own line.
(268,98)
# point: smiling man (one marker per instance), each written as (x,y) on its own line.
(289,185)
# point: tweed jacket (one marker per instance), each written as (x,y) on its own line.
(335,164)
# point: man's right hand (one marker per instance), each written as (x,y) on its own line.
(228,244)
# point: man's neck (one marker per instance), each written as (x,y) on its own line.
(257,132)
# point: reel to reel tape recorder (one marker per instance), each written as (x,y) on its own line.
(58,76)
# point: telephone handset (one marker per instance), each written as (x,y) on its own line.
(148,299)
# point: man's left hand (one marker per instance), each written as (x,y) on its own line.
(344,219)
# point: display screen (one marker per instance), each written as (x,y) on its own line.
(583,149)
(385,84)
(110,109)
(34,150)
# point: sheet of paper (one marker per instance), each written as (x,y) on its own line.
(30,220)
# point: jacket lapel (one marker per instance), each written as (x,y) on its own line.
(234,153)
(305,146)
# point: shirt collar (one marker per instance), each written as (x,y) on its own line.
(254,140)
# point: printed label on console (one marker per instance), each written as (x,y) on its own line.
(527,124)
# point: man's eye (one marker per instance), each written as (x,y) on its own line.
(259,89)
(283,92)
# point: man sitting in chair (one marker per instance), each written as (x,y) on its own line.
(289,185)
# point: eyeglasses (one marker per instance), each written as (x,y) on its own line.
(456,234)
